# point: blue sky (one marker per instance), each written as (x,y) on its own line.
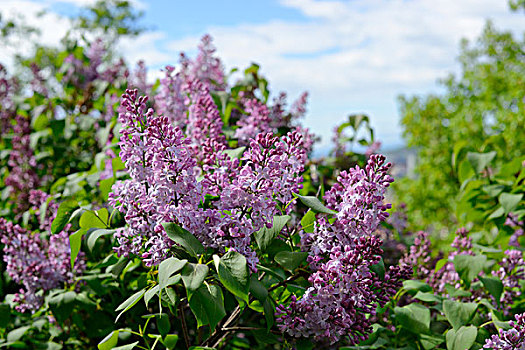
(352,56)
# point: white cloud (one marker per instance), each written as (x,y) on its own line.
(358,55)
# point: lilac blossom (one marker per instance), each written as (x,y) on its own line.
(204,128)
(162,188)
(83,75)
(344,292)
(255,122)
(139,78)
(22,165)
(170,99)
(446,274)
(8,88)
(36,263)
(248,193)
(206,68)
(357,197)
(419,256)
(298,108)
(511,272)
(511,339)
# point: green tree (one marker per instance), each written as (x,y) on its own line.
(484,103)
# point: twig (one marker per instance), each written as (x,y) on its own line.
(225,328)
(184,327)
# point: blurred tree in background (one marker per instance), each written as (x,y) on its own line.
(482,108)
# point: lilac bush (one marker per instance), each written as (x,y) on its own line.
(190,213)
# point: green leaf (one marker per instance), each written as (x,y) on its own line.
(163,324)
(462,339)
(290,260)
(235,153)
(493,190)
(130,302)
(465,171)
(232,269)
(257,289)
(64,212)
(61,304)
(169,295)
(75,240)
(117,268)
(127,346)
(92,219)
(105,187)
(440,263)
(96,234)
(480,161)
(493,285)
(468,267)
(430,341)
(458,313)
(416,285)
(269,313)
(509,201)
(454,292)
(150,293)
(184,238)
(413,317)
(497,213)
(428,297)
(109,342)
(314,203)
(207,304)
(193,275)
(308,221)
(170,341)
(17,333)
(266,235)
(5,315)
(167,268)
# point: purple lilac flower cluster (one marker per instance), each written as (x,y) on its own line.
(171,100)
(344,291)
(512,339)
(204,124)
(207,68)
(418,257)
(22,176)
(257,121)
(343,294)
(248,192)
(511,272)
(81,75)
(357,197)
(163,187)
(36,263)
